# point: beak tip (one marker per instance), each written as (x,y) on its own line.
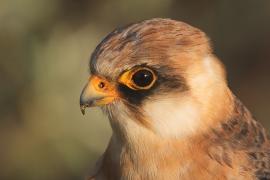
(83,109)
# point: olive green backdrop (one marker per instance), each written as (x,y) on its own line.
(45,47)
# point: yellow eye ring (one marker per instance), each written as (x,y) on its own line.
(138,78)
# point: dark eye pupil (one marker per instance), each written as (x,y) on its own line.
(143,78)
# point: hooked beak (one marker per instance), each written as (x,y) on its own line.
(97,92)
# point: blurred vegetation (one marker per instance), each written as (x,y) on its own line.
(45,47)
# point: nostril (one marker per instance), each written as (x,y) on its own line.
(101,85)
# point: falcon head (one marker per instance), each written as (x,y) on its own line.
(158,76)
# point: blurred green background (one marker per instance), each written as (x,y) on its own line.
(45,47)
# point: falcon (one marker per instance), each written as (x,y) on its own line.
(172,113)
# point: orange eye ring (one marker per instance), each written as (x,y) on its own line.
(139,78)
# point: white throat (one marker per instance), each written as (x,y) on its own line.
(173,117)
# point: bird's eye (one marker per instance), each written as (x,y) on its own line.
(139,78)
(143,78)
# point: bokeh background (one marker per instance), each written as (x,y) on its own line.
(45,47)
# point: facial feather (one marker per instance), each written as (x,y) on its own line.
(173,117)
